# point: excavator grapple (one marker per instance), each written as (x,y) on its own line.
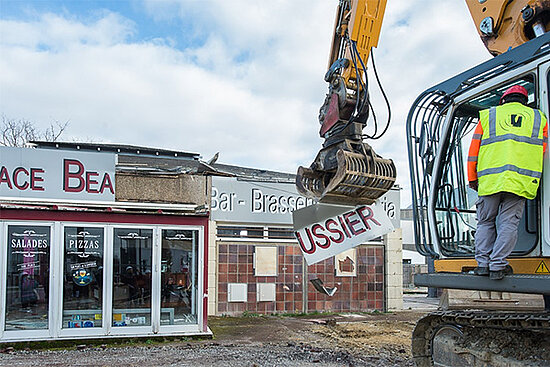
(347,173)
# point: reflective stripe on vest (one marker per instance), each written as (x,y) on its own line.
(511,150)
(509,167)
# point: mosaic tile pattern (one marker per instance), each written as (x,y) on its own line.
(363,292)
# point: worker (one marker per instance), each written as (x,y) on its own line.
(505,167)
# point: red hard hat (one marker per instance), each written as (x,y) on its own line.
(515,89)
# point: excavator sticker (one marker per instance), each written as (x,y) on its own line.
(324,230)
(542,268)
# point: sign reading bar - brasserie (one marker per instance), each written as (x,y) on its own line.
(56,174)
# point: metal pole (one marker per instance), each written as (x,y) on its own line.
(432,292)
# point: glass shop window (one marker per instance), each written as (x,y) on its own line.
(132,276)
(240,232)
(83,277)
(179,277)
(27,281)
(280,233)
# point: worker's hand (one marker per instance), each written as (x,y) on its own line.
(473,185)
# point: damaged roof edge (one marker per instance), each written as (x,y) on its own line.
(132,158)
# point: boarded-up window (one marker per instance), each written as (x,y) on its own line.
(237,292)
(346,263)
(265,292)
(265,261)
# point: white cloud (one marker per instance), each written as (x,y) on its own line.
(249,85)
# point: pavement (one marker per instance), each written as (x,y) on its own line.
(419,302)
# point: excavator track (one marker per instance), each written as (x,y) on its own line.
(482,338)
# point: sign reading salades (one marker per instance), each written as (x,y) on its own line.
(324,230)
(56,174)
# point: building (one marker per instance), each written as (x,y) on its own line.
(256,265)
(99,244)
(104,240)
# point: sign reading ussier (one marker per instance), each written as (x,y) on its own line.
(56,174)
(324,230)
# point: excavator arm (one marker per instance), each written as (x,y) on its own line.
(347,170)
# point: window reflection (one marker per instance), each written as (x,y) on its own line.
(132,267)
(83,278)
(179,277)
(27,280)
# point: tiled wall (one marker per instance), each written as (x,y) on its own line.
(363,292)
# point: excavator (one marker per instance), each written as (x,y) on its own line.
(439,129)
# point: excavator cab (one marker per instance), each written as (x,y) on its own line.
(441,128)
(454,211)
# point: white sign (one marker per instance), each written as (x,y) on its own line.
(337,228)
(254,201)
(241,201)
(56,174)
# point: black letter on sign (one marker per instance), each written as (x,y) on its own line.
(516,121)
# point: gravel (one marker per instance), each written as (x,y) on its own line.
(205,354)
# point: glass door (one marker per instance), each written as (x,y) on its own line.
(132,280)
(83,273)
(180,278)
(27,280)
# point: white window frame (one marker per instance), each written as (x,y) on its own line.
(135,330)
(56,277)
(201,292)
(87,332)
(21,335)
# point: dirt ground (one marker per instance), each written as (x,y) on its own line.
(380,339)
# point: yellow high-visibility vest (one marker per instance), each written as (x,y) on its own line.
(511,150)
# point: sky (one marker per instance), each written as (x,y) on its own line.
(240,77)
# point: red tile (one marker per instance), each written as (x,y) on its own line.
(242,278)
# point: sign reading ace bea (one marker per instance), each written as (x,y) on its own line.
(57,174)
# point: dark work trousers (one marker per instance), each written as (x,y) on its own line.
(494,244)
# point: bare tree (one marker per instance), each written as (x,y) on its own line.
(16,133)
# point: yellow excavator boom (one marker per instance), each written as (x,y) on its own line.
(347,170)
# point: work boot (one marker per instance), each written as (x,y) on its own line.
(499,274)
(481,270)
